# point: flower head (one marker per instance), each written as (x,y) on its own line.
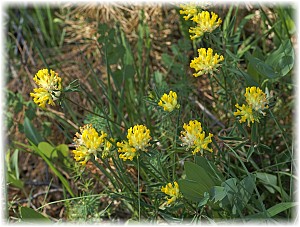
(49,87)
(205,23)
(256,98)
(81,155)
(189,9)
(246,114)
(138,137)
(256,102)
(87,143)
(169,102)
(206,62)
(127,152)
(194,137)
(172,191)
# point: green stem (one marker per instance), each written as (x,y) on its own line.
(98,115)
(281,130)
(139,194)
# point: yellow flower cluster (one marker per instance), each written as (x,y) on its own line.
(194,137)
(169,102)
(189,9)
(205,21)
(256,102)
(206,62)
(89,142)
(172,191)
(49,87)
(138,139)
(256,98)
(245,112)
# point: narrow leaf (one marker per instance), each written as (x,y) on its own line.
(30,214)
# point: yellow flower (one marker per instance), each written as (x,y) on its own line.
(138,137)
(206,62)
(128,151)
(256,102)
(81,155)
(189,9)
(87,143)
(194,137)
(256,98)
(107,148)
(205,23)
(246,114)
(49,87)
(41,96)
(172,191)
(169,102)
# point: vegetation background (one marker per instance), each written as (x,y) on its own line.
(123,59)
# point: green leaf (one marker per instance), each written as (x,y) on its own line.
(198,174)
(46,148)
(268,180)
(15,163)
(63,149)
(246,188)
(52,167)
(167,60)
(261,68)
(217,193)
(31,133)
(14,181)
(278,208)
(29,214)
(204,200)
(282,60)
(210,169)
(230,186)
(199,179)
(192,190)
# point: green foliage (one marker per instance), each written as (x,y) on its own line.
(200,178)
(29,215)
(13,174)
(250,173)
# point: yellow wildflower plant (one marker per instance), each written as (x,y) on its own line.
(88,142)
(189,9)
(138,139)
(206,22)
(246,114)
(169,102)
(257,101)
(172,191)
(194,137)
(206,62)
(256,98)
(49,88)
